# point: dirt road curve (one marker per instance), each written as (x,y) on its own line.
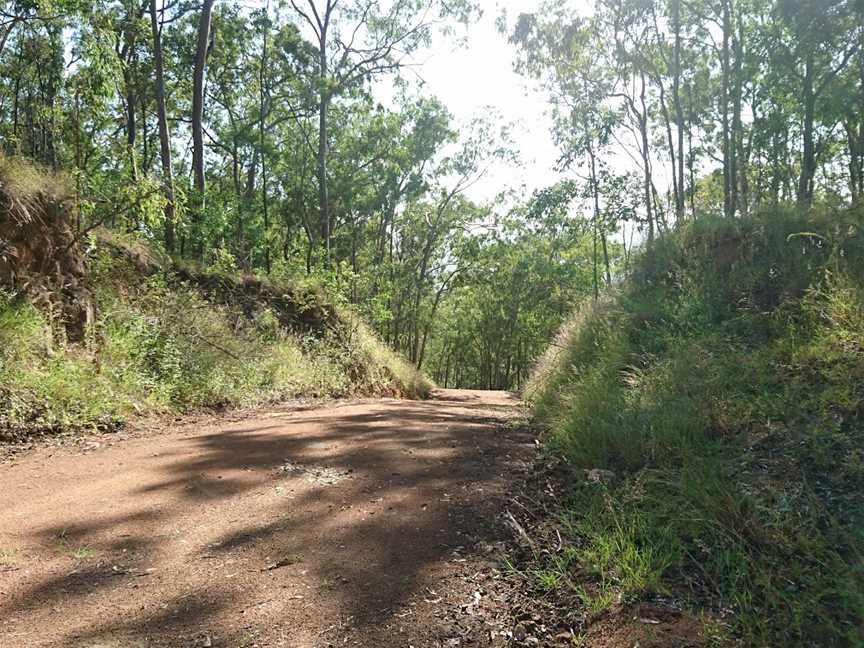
(353,525)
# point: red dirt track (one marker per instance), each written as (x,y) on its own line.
(347,525)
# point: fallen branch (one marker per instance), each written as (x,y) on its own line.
(216,346)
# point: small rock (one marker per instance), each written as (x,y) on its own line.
(599,475)
(203,641)
(449,629)
(520,632)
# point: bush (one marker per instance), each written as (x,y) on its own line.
(162,342)
(724,385)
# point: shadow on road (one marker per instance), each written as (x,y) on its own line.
(290,525)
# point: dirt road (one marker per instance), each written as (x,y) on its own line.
(356,525)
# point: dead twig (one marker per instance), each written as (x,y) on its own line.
(520,530)
(216,346)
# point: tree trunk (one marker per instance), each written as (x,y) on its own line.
(736,135)
(724,107)
(198,76)
(646,162)
(778,147)
(164,137)
(850,126)
(131,132)
(860,122)
(676,99)
(808,157)
(53,83)
(595,192)
(15,100)
(262,109)
(853,124)
(670,142)
(323,108)
(78,162)
(145,134)
(323,207)
(606,258)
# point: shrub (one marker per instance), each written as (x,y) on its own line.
(166,342)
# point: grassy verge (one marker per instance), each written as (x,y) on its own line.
(723,387)
(164,341)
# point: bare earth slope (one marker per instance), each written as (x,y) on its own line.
(351,525)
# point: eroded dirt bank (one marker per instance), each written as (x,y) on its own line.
(352,525)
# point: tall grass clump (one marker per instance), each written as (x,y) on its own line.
(376,367)
(723,385)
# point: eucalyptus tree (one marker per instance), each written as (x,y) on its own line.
(450,216)
(164,133)
(522,278)
(755,96)
(32,80)
(573,66)
(202,49)
(597,73)
(818,40)
(359,40)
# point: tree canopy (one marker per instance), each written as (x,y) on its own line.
(257,138)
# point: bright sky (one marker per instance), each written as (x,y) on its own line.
(470,79)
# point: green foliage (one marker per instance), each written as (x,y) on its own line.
(309,172)
(723,386)
(376,367)
(519,280)
(159,345)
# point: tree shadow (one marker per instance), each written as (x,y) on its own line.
(354,508)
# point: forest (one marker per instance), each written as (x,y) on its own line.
(211,204)
(265,147)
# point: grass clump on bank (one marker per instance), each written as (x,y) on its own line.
(723,385)
(167,339)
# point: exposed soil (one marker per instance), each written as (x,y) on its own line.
(40,255)
(367,524)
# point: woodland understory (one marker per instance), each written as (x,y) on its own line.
(252,139)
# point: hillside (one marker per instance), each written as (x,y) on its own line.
(622,238)
(98,327)
(722,388)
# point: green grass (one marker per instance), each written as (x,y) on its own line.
(81,553)
(724,385)
(9,556)
(78,552)
(164,344)
(597,602)
(25,180)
